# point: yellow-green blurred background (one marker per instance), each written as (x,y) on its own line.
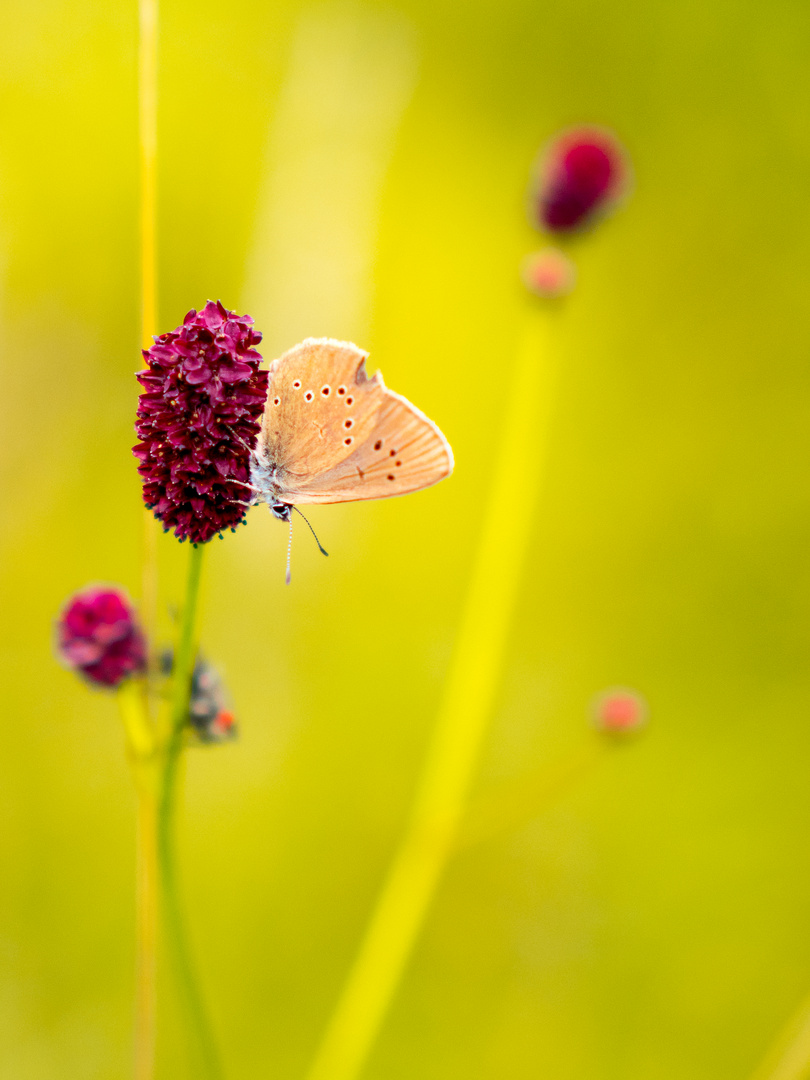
(359,170)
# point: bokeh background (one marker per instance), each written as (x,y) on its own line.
(359,170)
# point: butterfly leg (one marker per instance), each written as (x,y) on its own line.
(250,449)
(242,483)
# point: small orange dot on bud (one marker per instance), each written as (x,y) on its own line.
(619,710)
(548,273)
(225,720)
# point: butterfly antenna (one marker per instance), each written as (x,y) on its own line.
(288,578)
(317,541)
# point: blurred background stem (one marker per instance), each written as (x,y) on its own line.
(147,133)
(469,693)
(789,1056)
(144,762)
(172,908)
(141,748)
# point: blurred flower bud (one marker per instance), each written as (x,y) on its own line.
(619,710)
(582,172)
(548,273)
(198,415)
(208,716)
(97,635)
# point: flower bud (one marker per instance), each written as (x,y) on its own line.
(619,710)
(548,273)
(97,636)
(582,172)
(209,718)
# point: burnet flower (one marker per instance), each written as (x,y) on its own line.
(98,636)
(581,173)
(198,417)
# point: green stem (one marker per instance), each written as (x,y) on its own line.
(172,908)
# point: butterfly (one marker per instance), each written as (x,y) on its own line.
(331,434)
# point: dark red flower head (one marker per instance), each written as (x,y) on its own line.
(97,635)
(198,417)
(582,172)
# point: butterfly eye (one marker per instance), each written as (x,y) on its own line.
(349,441)
(350,401)
(325,390)
(308,395)
(297,384)
(391,476)
(392,453)
(397,462)
(341,389)
(378,444)
(348,423)
(277,401)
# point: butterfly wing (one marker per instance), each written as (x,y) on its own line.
(320,405)
(404,452)
(332,434)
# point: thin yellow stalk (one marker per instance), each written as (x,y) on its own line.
(143,755)
(147,123)
(789,1057)
(461,724)
(147,131)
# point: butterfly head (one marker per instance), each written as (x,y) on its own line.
(283,511)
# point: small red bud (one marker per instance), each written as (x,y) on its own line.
(548,273)
(209,720)
(619,710)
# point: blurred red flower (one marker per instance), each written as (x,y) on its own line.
(99,637)
(582,172)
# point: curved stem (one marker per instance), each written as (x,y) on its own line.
(174,924)
(469,693)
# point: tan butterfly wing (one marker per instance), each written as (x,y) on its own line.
(390,448)
(320,405)
(405,452)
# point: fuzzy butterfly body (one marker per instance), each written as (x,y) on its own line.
(332,434)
